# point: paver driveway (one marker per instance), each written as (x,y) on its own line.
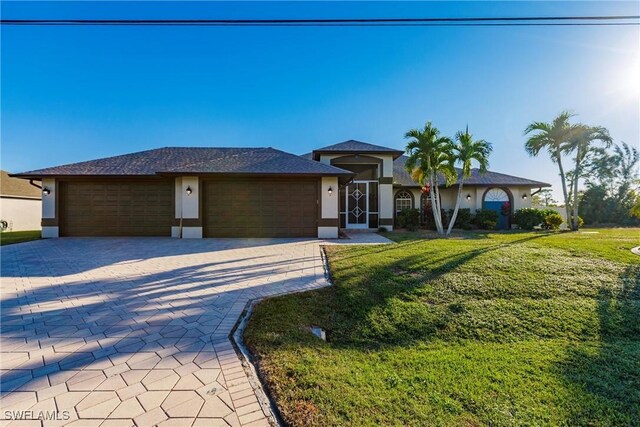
(126,331)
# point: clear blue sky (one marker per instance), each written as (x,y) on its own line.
(78,93)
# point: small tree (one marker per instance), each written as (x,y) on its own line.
(552,137)
(544,197)
(429,158)
(463,152)
(581,143)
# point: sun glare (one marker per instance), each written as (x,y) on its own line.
(631,79)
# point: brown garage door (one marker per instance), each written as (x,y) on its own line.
(261,208)
(116,208)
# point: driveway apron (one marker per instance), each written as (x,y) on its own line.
(135,331)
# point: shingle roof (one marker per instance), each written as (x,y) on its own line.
(195,160)
(402,177)
(355,146)
(17,187)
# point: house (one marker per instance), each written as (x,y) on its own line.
(248,192)
(20,204)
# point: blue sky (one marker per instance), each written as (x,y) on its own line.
(78,93)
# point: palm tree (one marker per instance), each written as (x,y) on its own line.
(429,157)
(464,151)
(553,137)
(582,143)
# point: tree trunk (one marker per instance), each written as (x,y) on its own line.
(438,205)
(574,219)
(455,210)
(563,180)
(434,206)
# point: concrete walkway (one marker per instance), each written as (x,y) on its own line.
(135,331)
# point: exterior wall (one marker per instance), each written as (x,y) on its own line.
(187,206)
(448,197)
(49,209)
(327,232)
(22,214)
(329,220)
(49,201)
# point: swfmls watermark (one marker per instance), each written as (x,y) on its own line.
(37,415)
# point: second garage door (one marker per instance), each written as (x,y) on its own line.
(261,208)
(116,208)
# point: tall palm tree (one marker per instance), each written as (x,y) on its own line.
(553,137)
(430,157)
(464,151)
(581,143)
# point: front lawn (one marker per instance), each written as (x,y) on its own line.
(488,328)
(10,237)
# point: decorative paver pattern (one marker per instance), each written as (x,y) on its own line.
(134,332)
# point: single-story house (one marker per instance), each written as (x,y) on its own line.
(248,192)
(20,204)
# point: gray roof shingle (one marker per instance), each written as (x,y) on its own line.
(170,160)
(355,147)
(402,177)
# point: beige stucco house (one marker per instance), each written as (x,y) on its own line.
(20,204)
(200,192)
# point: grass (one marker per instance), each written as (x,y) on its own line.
(11,237)
(485,328)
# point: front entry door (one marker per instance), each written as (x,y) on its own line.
(357,205)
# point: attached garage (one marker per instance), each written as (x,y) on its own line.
(192,192)
(261,208)
(116,208)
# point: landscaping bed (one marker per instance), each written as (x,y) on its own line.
(486,328)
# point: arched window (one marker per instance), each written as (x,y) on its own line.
(403,201)
(496,195)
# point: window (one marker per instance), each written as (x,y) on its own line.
(403,201)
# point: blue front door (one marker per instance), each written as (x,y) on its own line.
(503,220)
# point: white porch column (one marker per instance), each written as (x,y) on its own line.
(479,193)
(385,193)
(50,228)
(329,221)
(188,223)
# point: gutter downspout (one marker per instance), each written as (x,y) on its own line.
(34,184)
(536,192)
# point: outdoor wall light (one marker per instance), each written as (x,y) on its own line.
(189,190)
(330,190)
(468,196)
(46,191)
(524,197)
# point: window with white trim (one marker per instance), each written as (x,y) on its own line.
(403,201)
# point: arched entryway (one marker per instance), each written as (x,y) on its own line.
(499,200)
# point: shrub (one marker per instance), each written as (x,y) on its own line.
(580,221)
(528,218)
(409,219)
(464,219)
(429,222)
(486,219)
(553,221)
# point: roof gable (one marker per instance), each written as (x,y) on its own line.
(353,146)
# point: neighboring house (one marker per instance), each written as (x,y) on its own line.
(20,204)
(248,192)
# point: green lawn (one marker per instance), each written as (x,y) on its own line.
(10,237)
(487,328)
